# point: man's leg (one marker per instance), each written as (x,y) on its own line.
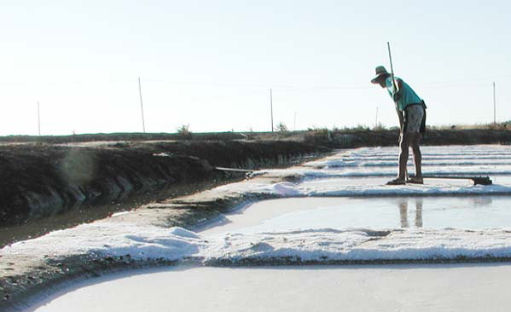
(404,145)
(403,159)
(417,156)
(415,116)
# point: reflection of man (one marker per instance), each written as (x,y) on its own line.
(418,212)
(403,212)
(411,111)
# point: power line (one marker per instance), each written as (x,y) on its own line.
(38,119)
(271,109)
(494,106)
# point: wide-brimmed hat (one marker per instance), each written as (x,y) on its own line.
(380,71)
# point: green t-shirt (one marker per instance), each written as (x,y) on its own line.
(408,96)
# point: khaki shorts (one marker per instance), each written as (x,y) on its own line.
(413,118)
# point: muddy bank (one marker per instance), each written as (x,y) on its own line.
(45,180)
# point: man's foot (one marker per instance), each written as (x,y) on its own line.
(397,181)
(415,180)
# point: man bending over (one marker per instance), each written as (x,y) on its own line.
(411,111)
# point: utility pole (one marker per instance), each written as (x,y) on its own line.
(494,106)
(141,103)
(376,123)
(38,119)
(294,122)
(271,109)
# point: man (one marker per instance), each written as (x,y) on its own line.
(411,111)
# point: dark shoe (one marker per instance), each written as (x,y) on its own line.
(396,182)
(415,180)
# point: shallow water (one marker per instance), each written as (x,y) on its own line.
(310,288)
(475,212)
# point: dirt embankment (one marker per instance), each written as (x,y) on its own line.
(351,139)
(45,180)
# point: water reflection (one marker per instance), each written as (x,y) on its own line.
(290,214)
(481,201)
(403,212)
(453,208)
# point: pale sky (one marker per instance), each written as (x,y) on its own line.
(210,64)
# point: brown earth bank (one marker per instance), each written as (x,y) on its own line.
(45,181)
(54,182)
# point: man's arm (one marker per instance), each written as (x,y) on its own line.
(396,90)
(401,118)
(396,97)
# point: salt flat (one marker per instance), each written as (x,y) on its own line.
(333,210)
